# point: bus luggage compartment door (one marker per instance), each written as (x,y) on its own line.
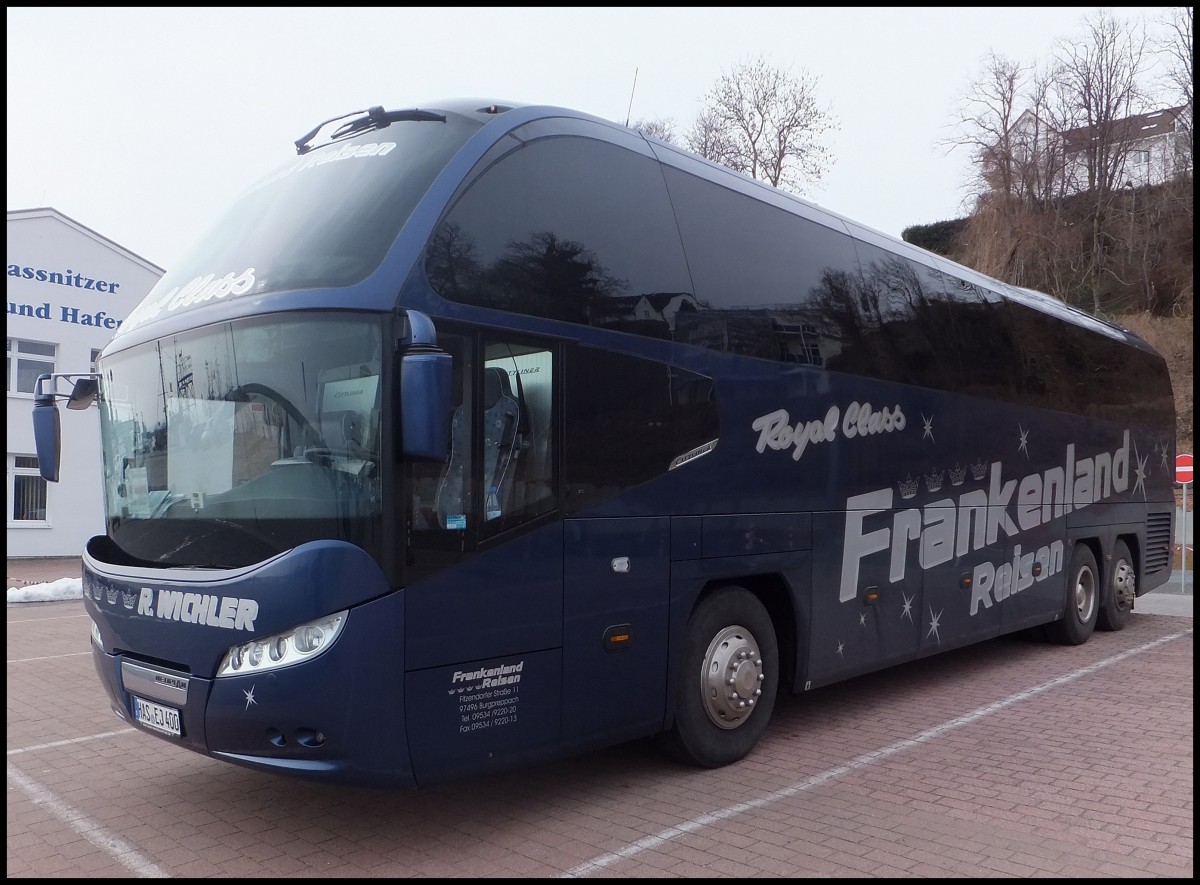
(482,716)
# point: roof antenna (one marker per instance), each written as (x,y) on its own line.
(631,91)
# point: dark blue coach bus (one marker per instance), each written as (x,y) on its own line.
(478,435)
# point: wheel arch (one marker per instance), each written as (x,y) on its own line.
(1081,599)
(1134,542)
(1096,545)
(772,590)
(690,731)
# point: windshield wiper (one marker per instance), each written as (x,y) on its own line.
(373,118)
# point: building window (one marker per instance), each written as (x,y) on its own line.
(27,360)
(1141,158)
(26,491)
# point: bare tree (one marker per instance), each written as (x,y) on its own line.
(1004,120)
(661,128)
(1055,208)
(1098,80)
(765,122)
(710,138)
(987,121)
(1177,49)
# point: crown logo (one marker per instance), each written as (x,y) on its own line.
(909,487)
(957,475)
(127,598)
(978,470)
(933,481)
(112,595)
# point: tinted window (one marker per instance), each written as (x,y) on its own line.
(566,228)
(1070,368)
(627,420)
(768,283)
(577,229)
(983,338)
(930,328)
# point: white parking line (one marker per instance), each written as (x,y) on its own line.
(124,853)
(82,740)
(663,836)
(74,654)
(36,620)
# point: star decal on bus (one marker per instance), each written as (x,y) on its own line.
(1140,471)
(934,623)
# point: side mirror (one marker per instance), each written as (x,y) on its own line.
(47,434)
(425,375)
(83,394)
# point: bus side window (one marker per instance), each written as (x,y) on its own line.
(504,418)
(499,424)
(521,445)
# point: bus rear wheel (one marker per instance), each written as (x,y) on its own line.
(1120,590)
(726,685)
(1082,604)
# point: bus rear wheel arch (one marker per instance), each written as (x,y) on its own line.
(727,681)
(1082,603)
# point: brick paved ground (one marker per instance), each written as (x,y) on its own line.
(1007,759)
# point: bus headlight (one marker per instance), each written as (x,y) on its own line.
(283,649)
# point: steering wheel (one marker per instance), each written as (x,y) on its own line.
(308,430)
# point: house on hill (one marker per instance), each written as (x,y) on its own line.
(1132,152)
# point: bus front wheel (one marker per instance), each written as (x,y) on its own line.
(1083,599)
(726,684)
(1120,589)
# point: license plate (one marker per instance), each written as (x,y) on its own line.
(156,716)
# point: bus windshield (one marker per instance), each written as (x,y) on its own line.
(229,444)
(325,218)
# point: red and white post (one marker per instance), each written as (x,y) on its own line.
(1183,476)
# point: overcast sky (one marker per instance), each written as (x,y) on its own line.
(143,124)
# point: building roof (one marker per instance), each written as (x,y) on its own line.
(47,212)
(1128,129)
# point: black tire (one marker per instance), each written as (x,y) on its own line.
(1082,603)
(1120,590)
(727,680)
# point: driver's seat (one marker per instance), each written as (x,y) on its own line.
(340,428)
(501,444)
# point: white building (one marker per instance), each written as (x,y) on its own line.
(1132,152)
(68,290)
